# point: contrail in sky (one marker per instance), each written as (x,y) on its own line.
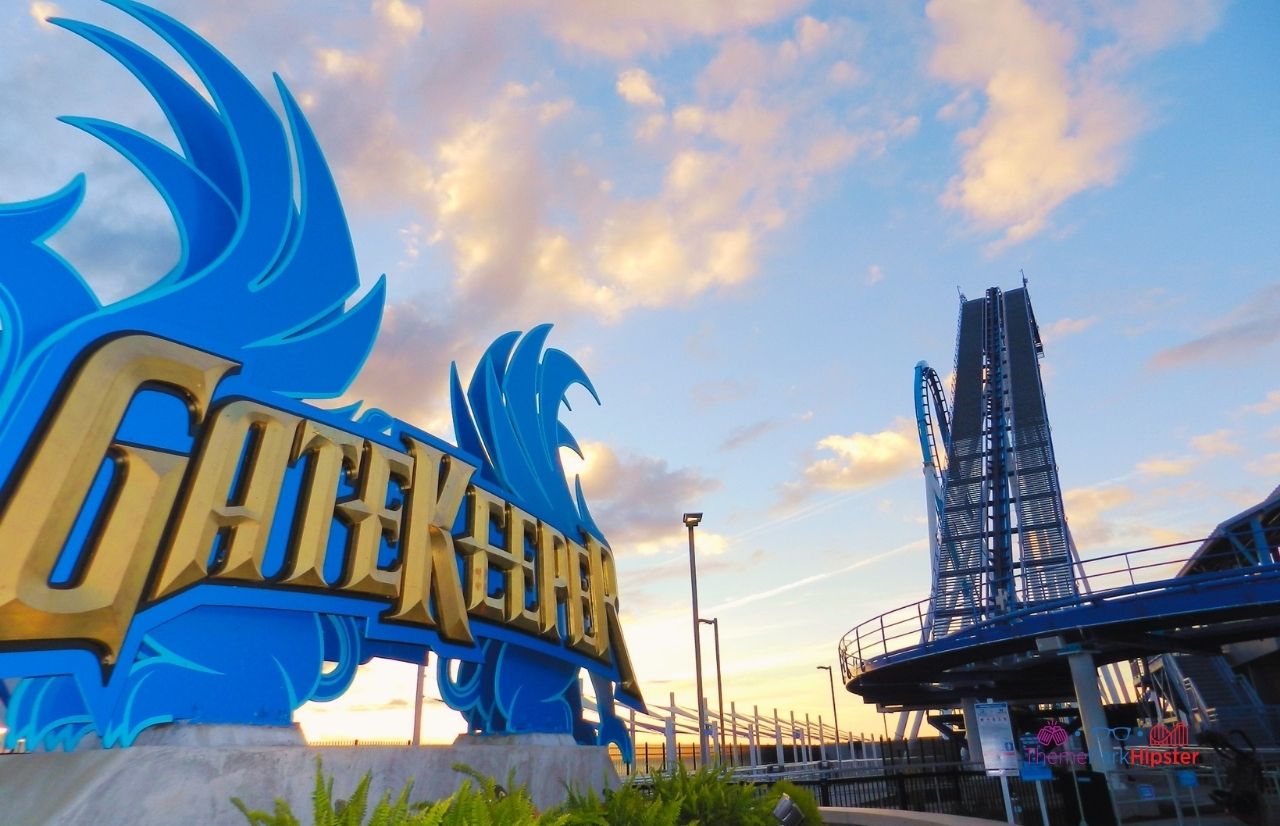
(800,583)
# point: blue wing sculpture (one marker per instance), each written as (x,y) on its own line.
(269,282)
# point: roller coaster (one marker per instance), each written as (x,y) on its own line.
(1010,594)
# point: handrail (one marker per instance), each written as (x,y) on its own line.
(871,640)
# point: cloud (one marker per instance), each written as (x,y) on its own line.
(625,28)
(1266,407)
(1085,509)
(1205,446)
(498,183)
(635,86)
(637,500)
(515,225)
(1167,467)
(747,433)
(777,590)
(41,11)
(859,461)
(721,391)
(1254,325)
(874,275)
(405,17)
(407,373)
(1267,465)
(1064,327)
(1058,120)
(1217,443)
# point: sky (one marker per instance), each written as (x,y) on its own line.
(748,220)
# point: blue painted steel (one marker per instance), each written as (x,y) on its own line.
(272,285)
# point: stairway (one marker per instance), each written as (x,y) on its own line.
(1220,700)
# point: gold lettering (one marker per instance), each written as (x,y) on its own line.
(483,508)
(521,575)
(369,519)
(551,547)
(628,683)
(327,450)
(588,566)
(427,557)
(207,507)
(51,489)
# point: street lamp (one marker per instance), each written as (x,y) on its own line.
(834,712)
(714,622)
(417,700)
(691,521)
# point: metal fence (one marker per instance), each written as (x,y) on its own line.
(953,790)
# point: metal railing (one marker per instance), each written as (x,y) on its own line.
(1121,576)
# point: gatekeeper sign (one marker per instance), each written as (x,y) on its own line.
(184,537)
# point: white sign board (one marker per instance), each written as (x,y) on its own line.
(995,732)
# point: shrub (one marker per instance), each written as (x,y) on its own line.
(708,797)
(487,805)
(800,796)
(625,806)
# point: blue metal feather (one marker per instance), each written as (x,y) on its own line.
(464,427)
(34,276)
(284,271)
(510,461)
(206,221)
(261,148)
(198,126)
(318,271)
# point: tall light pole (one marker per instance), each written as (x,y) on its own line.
(714,622)
(834,712)
(691,521)
(417,700)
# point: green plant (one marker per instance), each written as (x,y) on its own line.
(624,806)
(799,795)
(487,805)
(710,797)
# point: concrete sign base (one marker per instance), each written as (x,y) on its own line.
(164,784)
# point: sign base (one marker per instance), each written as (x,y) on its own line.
(159,785)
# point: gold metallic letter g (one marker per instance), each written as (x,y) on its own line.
(48,491)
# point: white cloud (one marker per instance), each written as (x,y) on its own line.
(41,11)
(1267,406)
(1217,443)
(637,500)
(1267,465)
(624,28)
(1167,467)
(1064,327)
(635,86)
(1058,121)
(403,16)
(344,64)
(859,461)
(874,275)
(1085,509)
(1250,327)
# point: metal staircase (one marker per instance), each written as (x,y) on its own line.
(1206,693)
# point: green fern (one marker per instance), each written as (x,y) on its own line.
(282,816)
(481,801)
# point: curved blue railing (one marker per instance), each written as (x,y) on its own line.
(897,634)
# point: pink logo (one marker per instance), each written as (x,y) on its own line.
(1169,737)
(1052,735)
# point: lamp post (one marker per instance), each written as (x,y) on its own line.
(691,521)
(417,701)
(714,622)
(834,712)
